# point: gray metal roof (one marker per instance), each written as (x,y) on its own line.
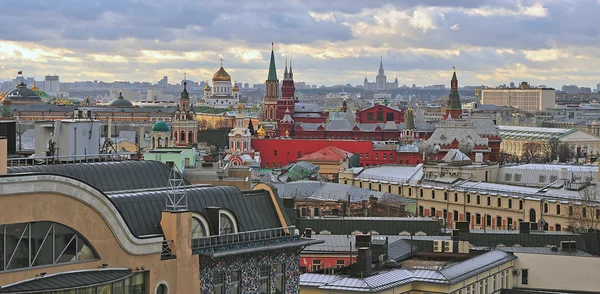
(253,210)
(381,225)
(332,192)
(109,176)
(67,280)
(543,250)
(476,265)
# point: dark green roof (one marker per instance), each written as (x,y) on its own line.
(67,280)
(272,69)
(382,225)
(160,126)
(109,176)
(253,210)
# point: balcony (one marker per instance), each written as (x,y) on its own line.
(230,240)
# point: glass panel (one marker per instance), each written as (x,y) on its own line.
(139,285)
(198,230)
(105,289)
(64,241)
(226,225)
(127,287)
(264,280)
(219,283)
(118,287)
(40,231)
(20,254)
(88,290)
(235,282)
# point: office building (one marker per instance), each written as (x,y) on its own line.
(524,98)
(52,85)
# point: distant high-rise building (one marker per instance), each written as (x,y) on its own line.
(598,88)
(246,85)
(512,84)
(380,83)
(571,89)
(52,85)
(164,82)
(585,90)
(524,98)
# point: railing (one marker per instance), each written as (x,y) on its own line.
(167,250)
(46,160)
(243,237)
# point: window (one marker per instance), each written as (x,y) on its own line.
(432,194)
(340,263)
(524,276)
(517,177)
(433,211)
(421,210)
(379,116)
(376,155)
(41,243)
(542,178)
(316,265)
(584,212)
(199,226)
(489,201)
(370,116)
(468,198)
(478,219)
(445,196)
(501,279)
(493,283)
(227,224)
(520,204)
(468,216)
(455,216)
(509,203)
(570,210)
(265,279)
(279,279)
(545,207)
(488,220)
(384,156)
(553,179)
(509,223)
(234,283)
(478,200)
(445,214)
(558,209)
(499,202)
(409,192)
(389,116)
(507,177)
(421,193)
(275,152)
(219,282)
(558,227)
(390,189)
(455,197)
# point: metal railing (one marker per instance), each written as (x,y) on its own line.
(46,160)
(243,237)
(167,250)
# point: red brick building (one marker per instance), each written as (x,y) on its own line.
(380,114)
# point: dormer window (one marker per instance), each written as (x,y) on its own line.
(227,223)
(200,226)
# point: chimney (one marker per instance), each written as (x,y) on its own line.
(308,233)
(3,155)
(364,262)
(363,240)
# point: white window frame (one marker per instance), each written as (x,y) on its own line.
(204,222)
(230,216)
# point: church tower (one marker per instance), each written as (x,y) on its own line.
(454,107)
(271,91)
(286,104)
(184,124)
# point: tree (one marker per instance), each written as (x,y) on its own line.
(203,124)
(552,149)
(584,212)
(251,128)
(564,153)
(531,151)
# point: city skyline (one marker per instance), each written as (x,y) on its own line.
(338,42)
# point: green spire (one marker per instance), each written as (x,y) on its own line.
(272,70)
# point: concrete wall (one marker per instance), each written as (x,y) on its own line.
(559,272)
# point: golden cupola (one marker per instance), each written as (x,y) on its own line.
(235,87)
(221,75)
(206,87)
(261,132)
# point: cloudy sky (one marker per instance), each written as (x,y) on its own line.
(551,42)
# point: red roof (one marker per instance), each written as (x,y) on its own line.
(329,153)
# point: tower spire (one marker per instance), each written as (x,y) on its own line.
(285,73)
(272,69)
(291,74)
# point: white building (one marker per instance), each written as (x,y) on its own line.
(523,98)
(380,83)
(52,85)
(240,152)
(222,94)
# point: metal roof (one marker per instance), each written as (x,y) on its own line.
(333,192)
(476,265)
(543,250)
(253,210)
(67,280)
(109,176)
(382,225)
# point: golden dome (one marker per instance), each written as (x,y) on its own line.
(287,133)
(206,87)
(221,76)
(235,87)
(261,132)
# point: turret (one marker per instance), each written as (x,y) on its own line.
(454,107)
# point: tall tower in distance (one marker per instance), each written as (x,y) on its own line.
(381,79)
(271,91)
(454,107)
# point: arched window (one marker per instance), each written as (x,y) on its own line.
(532,216)
(182,136)
(159,142)
(227,223)
(200,226)
(41,243)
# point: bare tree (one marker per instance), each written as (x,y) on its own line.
(551,150)
(531,151)
(584,213)
(564,153)
(203,124)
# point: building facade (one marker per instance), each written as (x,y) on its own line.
(524,98)
(380,83)
(222,94)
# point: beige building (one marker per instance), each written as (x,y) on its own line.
(523,98)
(581,143)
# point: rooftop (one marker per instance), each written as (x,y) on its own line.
(397,174)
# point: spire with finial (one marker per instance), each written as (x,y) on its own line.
(221,61)
(272,69)
(285,73)
(184,93)
(291,74)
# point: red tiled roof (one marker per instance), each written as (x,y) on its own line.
(329,153)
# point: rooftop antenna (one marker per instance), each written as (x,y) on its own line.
(176,196)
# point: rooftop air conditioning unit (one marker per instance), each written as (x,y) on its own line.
(516,272)
(437,246)
(463,247)
(448,246)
